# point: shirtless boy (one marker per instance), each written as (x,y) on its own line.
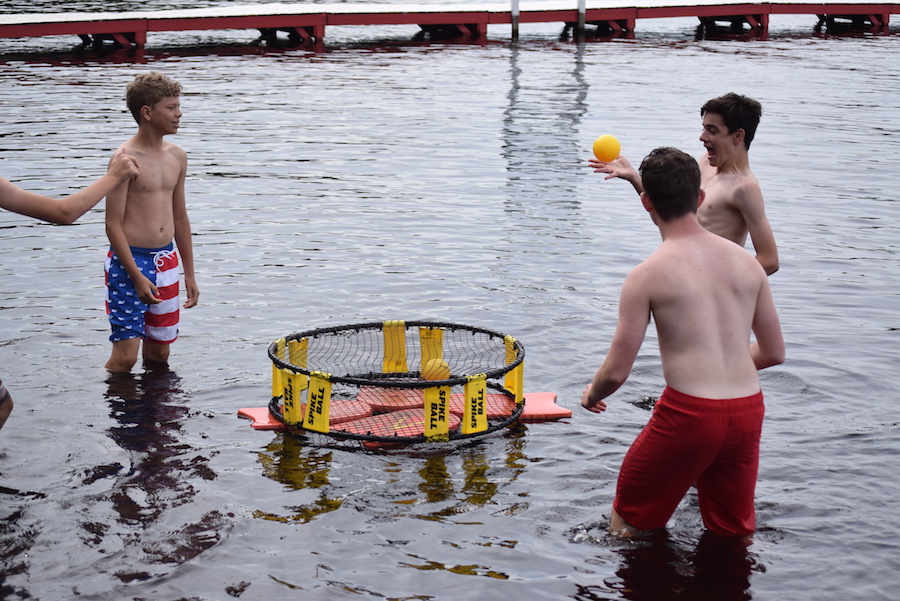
(63,211)
(142,219)
(706,295)
(734,203)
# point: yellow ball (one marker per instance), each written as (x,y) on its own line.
(436,369)
(607,148)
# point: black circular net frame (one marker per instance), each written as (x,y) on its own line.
(353,359)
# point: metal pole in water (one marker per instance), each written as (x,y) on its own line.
(515,19)
(579,27)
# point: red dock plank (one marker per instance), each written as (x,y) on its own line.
(310,20)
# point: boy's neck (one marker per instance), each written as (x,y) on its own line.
(680,227)
(737,162)
(149,137)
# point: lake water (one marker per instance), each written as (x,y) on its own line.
(383,179)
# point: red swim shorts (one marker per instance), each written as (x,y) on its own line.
(713,443)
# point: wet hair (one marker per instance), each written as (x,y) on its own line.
(671,180)
(147,89)
(737,112)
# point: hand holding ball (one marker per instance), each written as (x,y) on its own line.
(607,148)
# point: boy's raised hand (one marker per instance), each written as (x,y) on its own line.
(621,167)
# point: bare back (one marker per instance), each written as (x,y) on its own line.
(703,293)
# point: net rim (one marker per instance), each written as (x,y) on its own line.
(395,379)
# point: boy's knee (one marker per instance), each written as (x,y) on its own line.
(155,353)
(121,361)
(120,364)
(620,528)
(124,355)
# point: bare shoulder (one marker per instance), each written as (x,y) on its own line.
(746,182)
(734,189)
(746,190)
(128,146)
(175,150)
(657,264)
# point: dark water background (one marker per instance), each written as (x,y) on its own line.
(381,179)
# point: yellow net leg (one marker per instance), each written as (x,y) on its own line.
(318,402)
(432,342)
(277,388)
(298,351)
(515,379)
(394,347)
(293,409)
(474,413)
(437,413)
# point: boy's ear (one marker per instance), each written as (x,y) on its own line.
(645,200)
(145,113)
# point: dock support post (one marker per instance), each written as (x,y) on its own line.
(873,23)
(758,26)
(579,27)
(514,12)
(296,35)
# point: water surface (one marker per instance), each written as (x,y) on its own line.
(392,180)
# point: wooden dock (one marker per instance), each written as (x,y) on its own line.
(306,23)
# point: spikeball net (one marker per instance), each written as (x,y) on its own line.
(397,382)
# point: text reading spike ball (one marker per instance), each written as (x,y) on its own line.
(607,148)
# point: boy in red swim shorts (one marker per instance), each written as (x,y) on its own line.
(706,295)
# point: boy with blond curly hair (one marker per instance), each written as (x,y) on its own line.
(143,217)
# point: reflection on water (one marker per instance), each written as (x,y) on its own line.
(15,545)
(541,134)
(149,410)
(293,462)
(436,483)
(477,486)
(289,461)
(661,567)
